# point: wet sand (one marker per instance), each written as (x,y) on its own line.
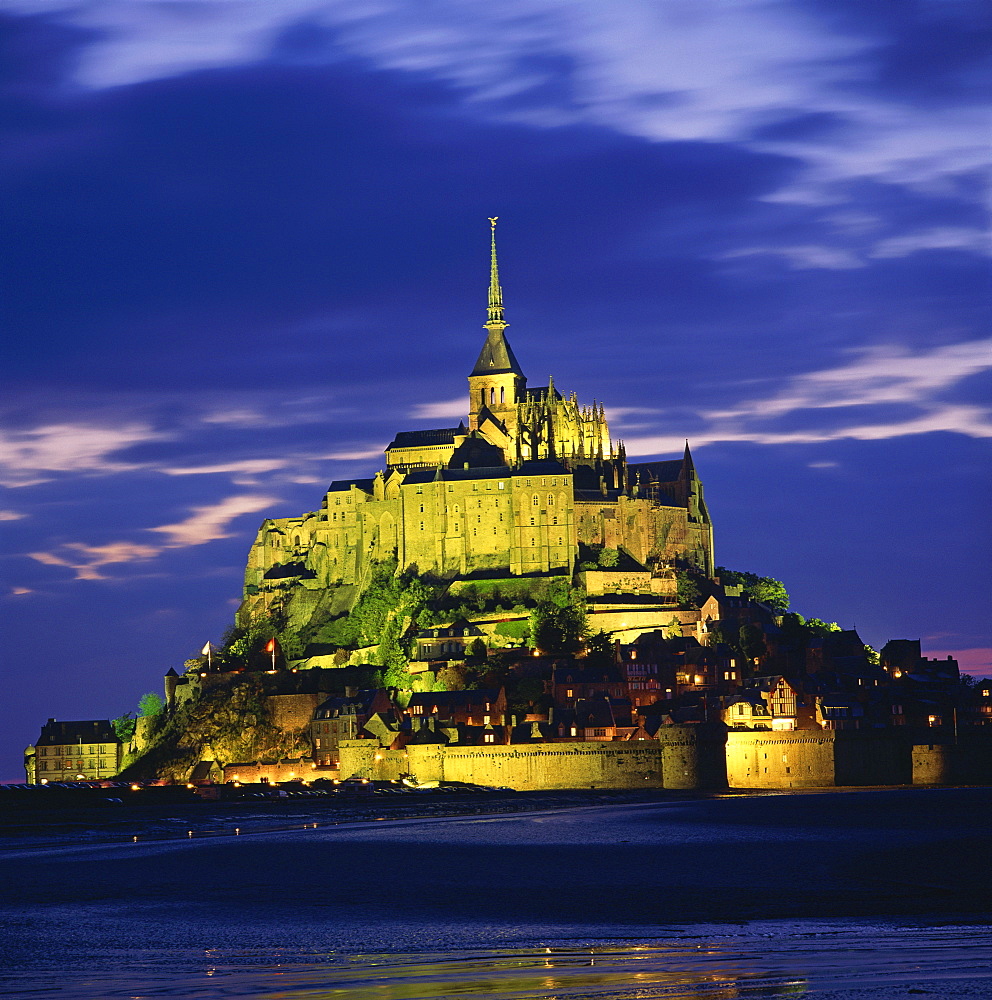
(873,872)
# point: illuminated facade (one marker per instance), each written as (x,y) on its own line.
(530,483)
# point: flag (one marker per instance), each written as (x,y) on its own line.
(206,650)
(270,646)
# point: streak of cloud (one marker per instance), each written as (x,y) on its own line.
(207,524)
(670,72)
(34,455)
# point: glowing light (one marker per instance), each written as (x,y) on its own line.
(190,785)
(44,781)
(135,788)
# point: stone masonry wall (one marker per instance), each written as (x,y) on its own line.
(686,758)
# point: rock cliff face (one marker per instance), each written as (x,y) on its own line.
(233,721)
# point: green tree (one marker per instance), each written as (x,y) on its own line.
(150,704)
(599,649)
(688,593)
(765,589)
(124,726)
(608,558)
(558,625)
(752,642)
(815,626)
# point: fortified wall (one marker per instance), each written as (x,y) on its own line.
(687,757)
(816,759)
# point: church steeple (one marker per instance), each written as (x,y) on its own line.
(495,292)
(496,357)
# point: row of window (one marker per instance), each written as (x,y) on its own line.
(75,765)
(81,748)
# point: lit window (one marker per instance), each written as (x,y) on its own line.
(536,501)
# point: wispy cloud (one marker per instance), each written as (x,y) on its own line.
(87,560)
(936,238)
(251,466)
(205,524)
(802,257)
(440,410)
(883,376)
(11,515)
(666,72)
(879,375)
(33,455)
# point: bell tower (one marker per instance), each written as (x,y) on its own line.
(496,384)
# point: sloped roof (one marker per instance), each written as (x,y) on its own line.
(88,731)
(423,439)
(660,472)
(496,357)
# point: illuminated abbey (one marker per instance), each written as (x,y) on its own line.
(529,483)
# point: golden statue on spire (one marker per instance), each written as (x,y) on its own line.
(492,222)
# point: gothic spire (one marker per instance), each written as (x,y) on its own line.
(496,357)
(495,310)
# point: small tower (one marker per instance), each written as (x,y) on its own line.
(497,382)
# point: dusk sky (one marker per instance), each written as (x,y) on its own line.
(245,242)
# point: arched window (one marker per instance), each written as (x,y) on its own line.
(551,499)
(492,395)
(502,395)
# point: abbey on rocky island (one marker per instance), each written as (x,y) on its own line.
(532,484)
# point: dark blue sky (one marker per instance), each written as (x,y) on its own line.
(247,242)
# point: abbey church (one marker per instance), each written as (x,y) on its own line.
(529,483)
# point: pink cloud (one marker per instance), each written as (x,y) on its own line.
(976,661)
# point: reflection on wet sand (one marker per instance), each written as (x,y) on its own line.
(764,960)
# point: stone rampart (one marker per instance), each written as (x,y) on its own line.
(968,761)
(816,759)
(686,757)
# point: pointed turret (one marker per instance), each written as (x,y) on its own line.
(687,465)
